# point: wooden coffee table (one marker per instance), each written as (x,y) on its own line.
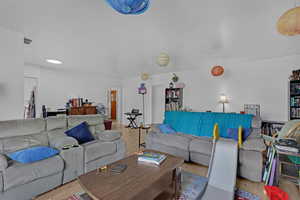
(138,181)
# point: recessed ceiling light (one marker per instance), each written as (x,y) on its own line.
(52,61)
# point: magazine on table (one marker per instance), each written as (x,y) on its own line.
(152,158)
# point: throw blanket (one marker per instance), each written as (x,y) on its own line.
(202,123)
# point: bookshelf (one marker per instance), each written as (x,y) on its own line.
(173,99)
(294,99)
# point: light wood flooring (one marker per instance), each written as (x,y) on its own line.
(131,138)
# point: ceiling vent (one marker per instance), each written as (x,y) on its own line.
(27,41)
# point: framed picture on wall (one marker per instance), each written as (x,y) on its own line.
(253,109)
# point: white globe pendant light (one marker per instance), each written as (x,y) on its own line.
(163,59)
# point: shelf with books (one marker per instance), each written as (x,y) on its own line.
(294,99)
(173,99)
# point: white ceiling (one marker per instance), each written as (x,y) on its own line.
(89,35)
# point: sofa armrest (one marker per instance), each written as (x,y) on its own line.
(3,163)
(60,142)
(73,159)
(254,144)
(109,135)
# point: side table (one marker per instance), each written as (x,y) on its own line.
(286,168)
(146,128)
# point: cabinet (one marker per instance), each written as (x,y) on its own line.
(84,110)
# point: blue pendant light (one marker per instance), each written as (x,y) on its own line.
(129,7)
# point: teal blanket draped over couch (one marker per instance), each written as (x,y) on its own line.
(202,123)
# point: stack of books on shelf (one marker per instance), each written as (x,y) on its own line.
(151,158)
(295,113)
(295,102)
(173,106)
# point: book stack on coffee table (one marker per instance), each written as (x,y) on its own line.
(151,158)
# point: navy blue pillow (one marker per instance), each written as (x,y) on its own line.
(81,133)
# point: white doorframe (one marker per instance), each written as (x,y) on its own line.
(119,103)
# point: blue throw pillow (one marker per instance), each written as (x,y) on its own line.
(33,154)
(81,133)
(234,133)
(166,128)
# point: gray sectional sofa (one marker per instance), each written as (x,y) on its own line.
(25,181)
(198,149)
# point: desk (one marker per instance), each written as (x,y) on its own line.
(132,117)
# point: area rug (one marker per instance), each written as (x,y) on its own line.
(192,187)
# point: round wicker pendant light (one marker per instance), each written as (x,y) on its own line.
(289,22)
(145,76)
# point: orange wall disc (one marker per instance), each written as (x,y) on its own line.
(289,22)
(217,70)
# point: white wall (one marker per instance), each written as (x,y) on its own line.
(11,76)
(158,103)
(56,86)
(263,82)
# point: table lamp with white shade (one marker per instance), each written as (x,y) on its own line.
(223,100)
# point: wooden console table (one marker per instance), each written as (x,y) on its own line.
(84,110)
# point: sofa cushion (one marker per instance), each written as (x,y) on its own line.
(172,140)
(91,120)
(19,174)
(81,133)
(12,144)
(201,145)
(56,133)
(96,149)
(56,123)
(65,141)
(33,154)
(167,129)
(255,133)
(254,144)
(13,128)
